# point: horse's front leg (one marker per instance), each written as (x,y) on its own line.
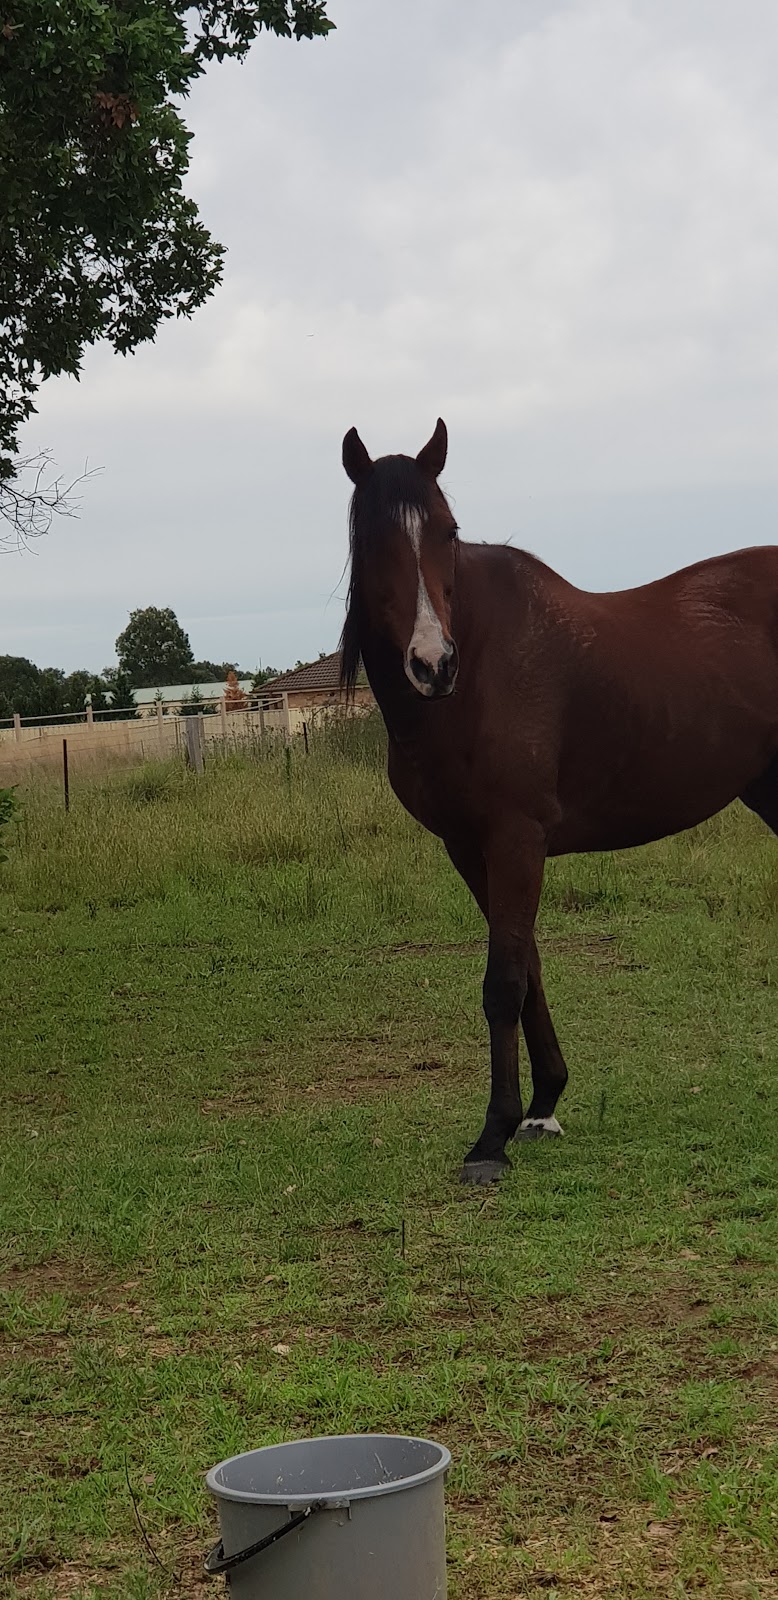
(514,867)
(549,1073)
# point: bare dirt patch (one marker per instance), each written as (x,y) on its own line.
(764,1374)
(560,1328)
(91,1301)
(355,1077)
(76,1280)
(57,1580)
(624,1553)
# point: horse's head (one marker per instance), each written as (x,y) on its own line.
(403,555)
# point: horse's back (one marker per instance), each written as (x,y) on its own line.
(673,704)
(741,585)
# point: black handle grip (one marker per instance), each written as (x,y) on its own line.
(216,1561)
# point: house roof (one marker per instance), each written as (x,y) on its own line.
(324,674)
(183,691)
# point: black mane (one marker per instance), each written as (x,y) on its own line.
(395,483)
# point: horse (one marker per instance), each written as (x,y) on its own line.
(527,718)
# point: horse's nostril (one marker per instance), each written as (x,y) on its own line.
(433,678)
(421,670)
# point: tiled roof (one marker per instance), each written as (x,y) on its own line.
(324,674)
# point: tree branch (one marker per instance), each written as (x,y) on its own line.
(29,503)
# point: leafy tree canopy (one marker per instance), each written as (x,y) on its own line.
(213,671)
(263,675)
(32,691)
(97,238)
(118,692)
(193,704)
(154,649)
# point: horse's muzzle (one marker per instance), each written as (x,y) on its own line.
(434,680)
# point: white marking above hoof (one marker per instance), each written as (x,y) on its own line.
(543,1125)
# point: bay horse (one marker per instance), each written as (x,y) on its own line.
(527,718)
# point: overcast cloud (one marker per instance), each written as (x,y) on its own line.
(554,224)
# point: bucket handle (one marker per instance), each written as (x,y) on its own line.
(216,1561)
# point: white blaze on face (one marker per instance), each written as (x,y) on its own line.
(427,641)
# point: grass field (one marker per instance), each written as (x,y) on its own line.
(244,1054)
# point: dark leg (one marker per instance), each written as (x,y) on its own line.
(470,865)
(762,796)
(549,1073)
(514,873)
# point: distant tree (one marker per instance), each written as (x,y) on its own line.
(322,656)
(154,649)
(117,690)
(211,671)
(263,675)
(194,705)
(19,680)
(234,698)
(30,691)
(81,686)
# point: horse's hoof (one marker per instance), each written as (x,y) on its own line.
(539,1128)
(483,1172)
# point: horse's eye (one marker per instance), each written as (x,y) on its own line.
(453,533)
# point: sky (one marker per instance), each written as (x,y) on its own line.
(551,222)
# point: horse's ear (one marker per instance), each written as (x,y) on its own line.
(355,458)
(432,459)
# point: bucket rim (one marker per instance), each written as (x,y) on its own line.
(330,1497)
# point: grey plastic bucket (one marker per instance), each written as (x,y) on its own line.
(356,1517)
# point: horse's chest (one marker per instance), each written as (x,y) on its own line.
(436,793)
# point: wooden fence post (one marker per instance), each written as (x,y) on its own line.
(194,744)
(223,715)
(17,727)
(90,716)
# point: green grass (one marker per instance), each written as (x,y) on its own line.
(244,1055)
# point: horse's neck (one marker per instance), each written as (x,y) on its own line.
(396,700)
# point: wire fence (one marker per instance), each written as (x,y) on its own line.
(92,740)
(207,705)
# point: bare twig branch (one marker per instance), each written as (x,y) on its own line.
(29,503)
(143,1533)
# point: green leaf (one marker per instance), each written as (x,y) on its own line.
(98,239)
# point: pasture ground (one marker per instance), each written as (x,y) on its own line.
(243,1056)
